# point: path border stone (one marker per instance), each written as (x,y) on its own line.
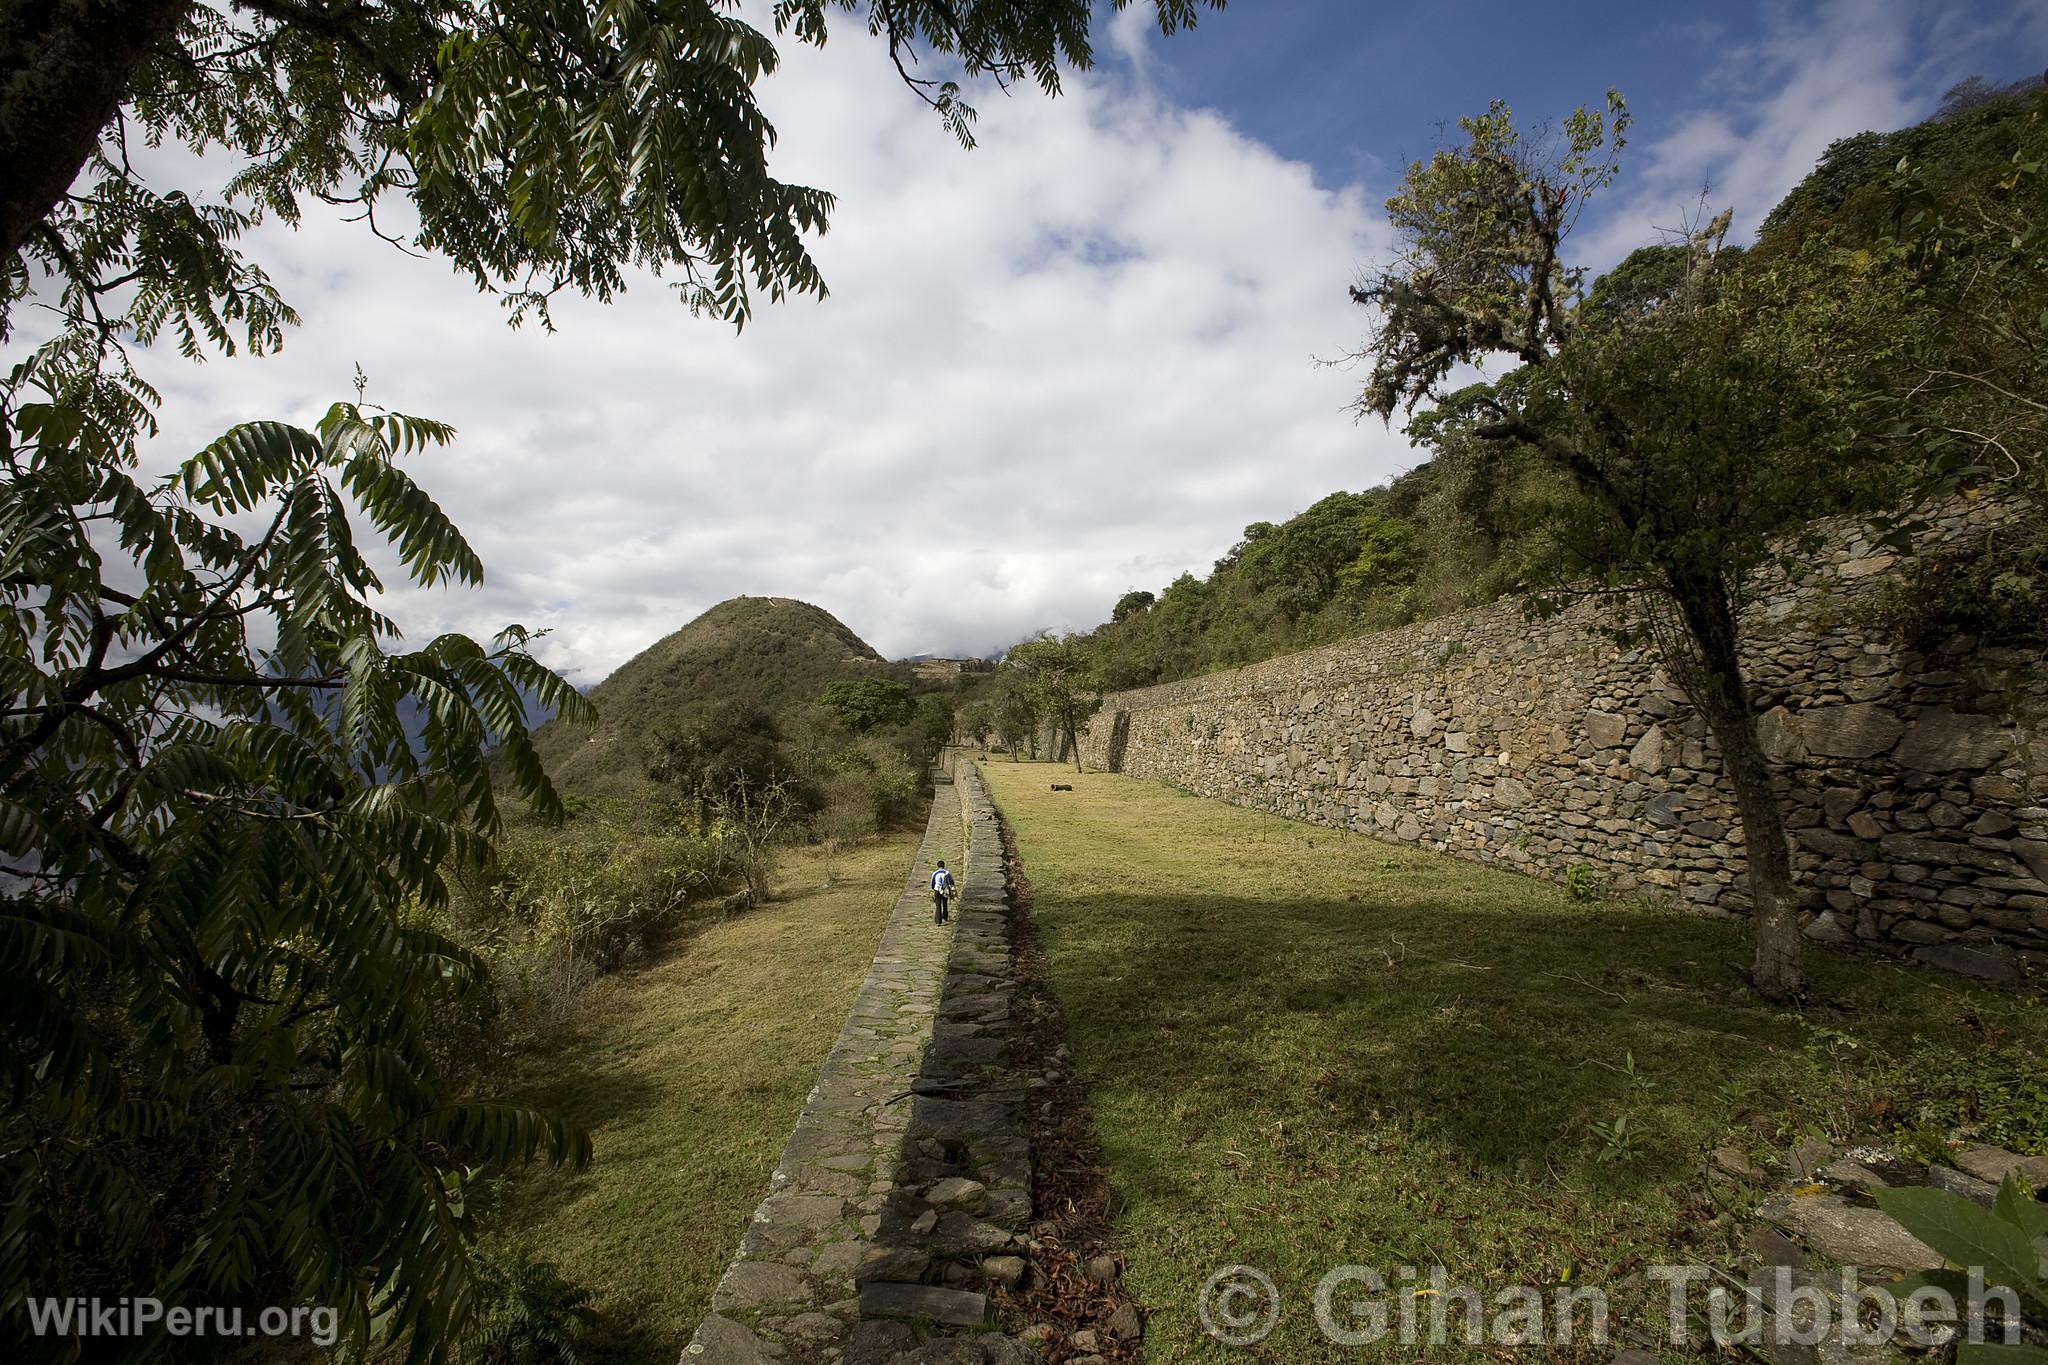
(909,1166)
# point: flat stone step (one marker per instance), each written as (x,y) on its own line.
(953,1307)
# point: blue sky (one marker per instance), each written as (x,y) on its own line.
(1358,89)
(1075,361)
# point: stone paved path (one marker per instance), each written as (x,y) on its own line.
(907,1179)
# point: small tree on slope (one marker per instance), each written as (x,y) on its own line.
(1680,441)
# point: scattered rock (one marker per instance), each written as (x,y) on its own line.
(1084,1340)
(1605,729)
(761,1284)
(1853,1173)
(1774,1248)
(1986,962)
(1994,1164)
(1777,732)
(814,1327)
(1730,1161)
(956,1192)
(1007,1271)
(1102,1269)
(903,1264)
(1946,740)
(1125,1324)
(1859,730)
(924,1223)
(950,1351)
(1849,1234)
(1968,1186)
(1007,1351)
(876,1342)
(1651,752)
(721,1341)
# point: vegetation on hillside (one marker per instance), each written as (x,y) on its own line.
(1907,277)
(769,652)
(762,725)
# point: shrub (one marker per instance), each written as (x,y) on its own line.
(1582,882)
(527,1312)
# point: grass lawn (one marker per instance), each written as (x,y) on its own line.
(689,1073)
(1306,1050)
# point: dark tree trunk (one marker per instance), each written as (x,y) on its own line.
(64,67)
(1722,694)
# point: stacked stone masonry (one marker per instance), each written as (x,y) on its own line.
(906,1185)
(1917,781)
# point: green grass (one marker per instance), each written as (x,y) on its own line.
(1307,1050)
(690,1073)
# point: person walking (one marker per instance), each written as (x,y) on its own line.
(942,891)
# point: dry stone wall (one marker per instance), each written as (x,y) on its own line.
(1917,781)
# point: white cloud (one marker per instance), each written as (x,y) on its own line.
(1816,73)
(1076,360)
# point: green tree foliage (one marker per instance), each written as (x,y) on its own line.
(1057,675)
(529,1314)
(1130,604)
(222,847)
(864,704)
(1914,265)
(935,712)
(733,748)
(1013,711)
(976,721)
(543,147)
(1352,562)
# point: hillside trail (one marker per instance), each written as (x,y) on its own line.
(906,1183)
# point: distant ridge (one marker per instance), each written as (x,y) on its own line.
(767,651)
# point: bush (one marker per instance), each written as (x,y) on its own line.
(1582,882)
(1997,591)
(526,1314)
(568,904)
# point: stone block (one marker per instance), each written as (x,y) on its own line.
(1651,753)
(1850,1234)
(1859,730)
(953,1307)
(1942,739)
(1605,729)
(1987,962)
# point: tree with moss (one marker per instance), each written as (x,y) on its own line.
(1682,441)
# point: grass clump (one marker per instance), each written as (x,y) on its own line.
(1306,1050)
